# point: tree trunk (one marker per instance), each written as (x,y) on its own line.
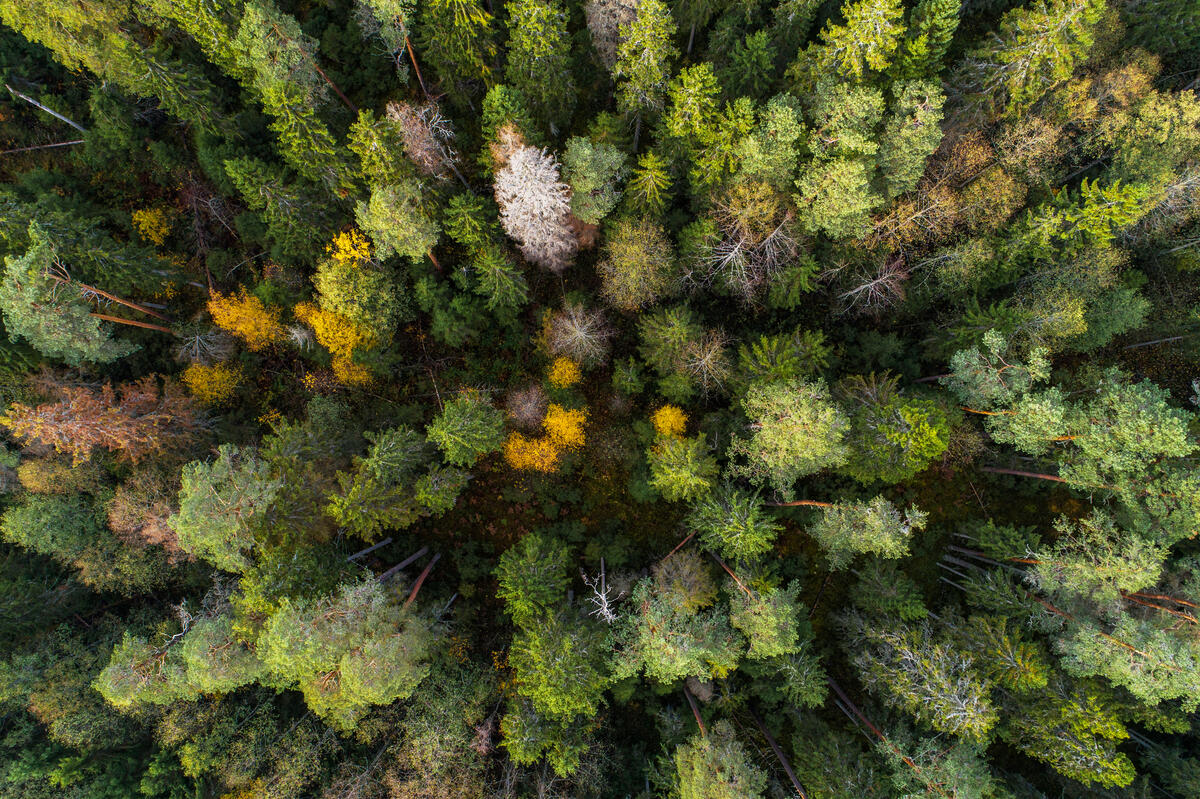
(413,57)
(420,553)
(695,711)
(42,147)
(370,549)
(133,323)
(1019,473)
(421,579)
(783,761)
(49,111)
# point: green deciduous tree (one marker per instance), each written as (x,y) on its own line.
(638,266)
(363,292)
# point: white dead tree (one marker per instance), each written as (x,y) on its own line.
(535,205)
(602,598)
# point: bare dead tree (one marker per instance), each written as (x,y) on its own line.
(875,292)
(428,138)
(707,360)
(579,333)
(602,598)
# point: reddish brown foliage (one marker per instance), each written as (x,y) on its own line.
(135,419)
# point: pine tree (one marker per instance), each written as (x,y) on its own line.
(58,323)
(137,420)
(797,430)
(1035,48)
(538,64)
(931,27)
(467,429)
(223,505)
(769,619)
(877,527)
(458,41)
(558,662)
(346,652)
(909,668)
(716,766)
(215,660)
(670,631)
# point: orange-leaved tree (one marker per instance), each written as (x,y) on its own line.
(135,419)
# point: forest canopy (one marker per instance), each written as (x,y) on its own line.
(613,399)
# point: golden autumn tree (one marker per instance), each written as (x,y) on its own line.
(342,337)
(135,419)
(246,317)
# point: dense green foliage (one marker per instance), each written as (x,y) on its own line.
(613,399)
